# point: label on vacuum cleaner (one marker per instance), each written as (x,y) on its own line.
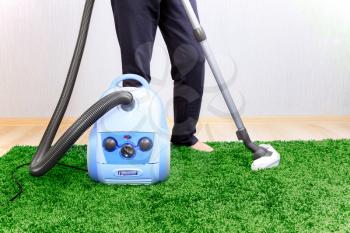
(129,173)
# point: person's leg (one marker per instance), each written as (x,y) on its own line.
(188,70)
(136,23)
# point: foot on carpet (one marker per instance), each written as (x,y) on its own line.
(201,146)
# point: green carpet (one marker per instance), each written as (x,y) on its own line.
(309,192)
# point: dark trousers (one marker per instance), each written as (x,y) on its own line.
(136,24)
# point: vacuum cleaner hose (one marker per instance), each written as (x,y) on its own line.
(44,160)
(46,156)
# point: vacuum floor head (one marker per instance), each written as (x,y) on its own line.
(267,162)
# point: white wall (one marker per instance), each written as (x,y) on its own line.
(281,57)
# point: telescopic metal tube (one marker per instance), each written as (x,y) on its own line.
(201,37)
(213,64)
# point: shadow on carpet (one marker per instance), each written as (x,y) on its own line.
(216,192)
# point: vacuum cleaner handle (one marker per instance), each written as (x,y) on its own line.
(135,77)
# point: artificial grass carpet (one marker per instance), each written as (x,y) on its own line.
(217,192)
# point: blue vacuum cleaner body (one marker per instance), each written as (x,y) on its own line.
(130,144)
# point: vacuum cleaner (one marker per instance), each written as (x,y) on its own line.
(121,151)
(130,143)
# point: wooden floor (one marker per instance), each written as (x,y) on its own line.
(29,131)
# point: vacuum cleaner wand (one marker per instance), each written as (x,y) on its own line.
(264,155)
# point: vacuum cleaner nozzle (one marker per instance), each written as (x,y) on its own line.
(270,160)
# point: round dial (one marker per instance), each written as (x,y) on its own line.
(128,151)
(110,144)
(145,144)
